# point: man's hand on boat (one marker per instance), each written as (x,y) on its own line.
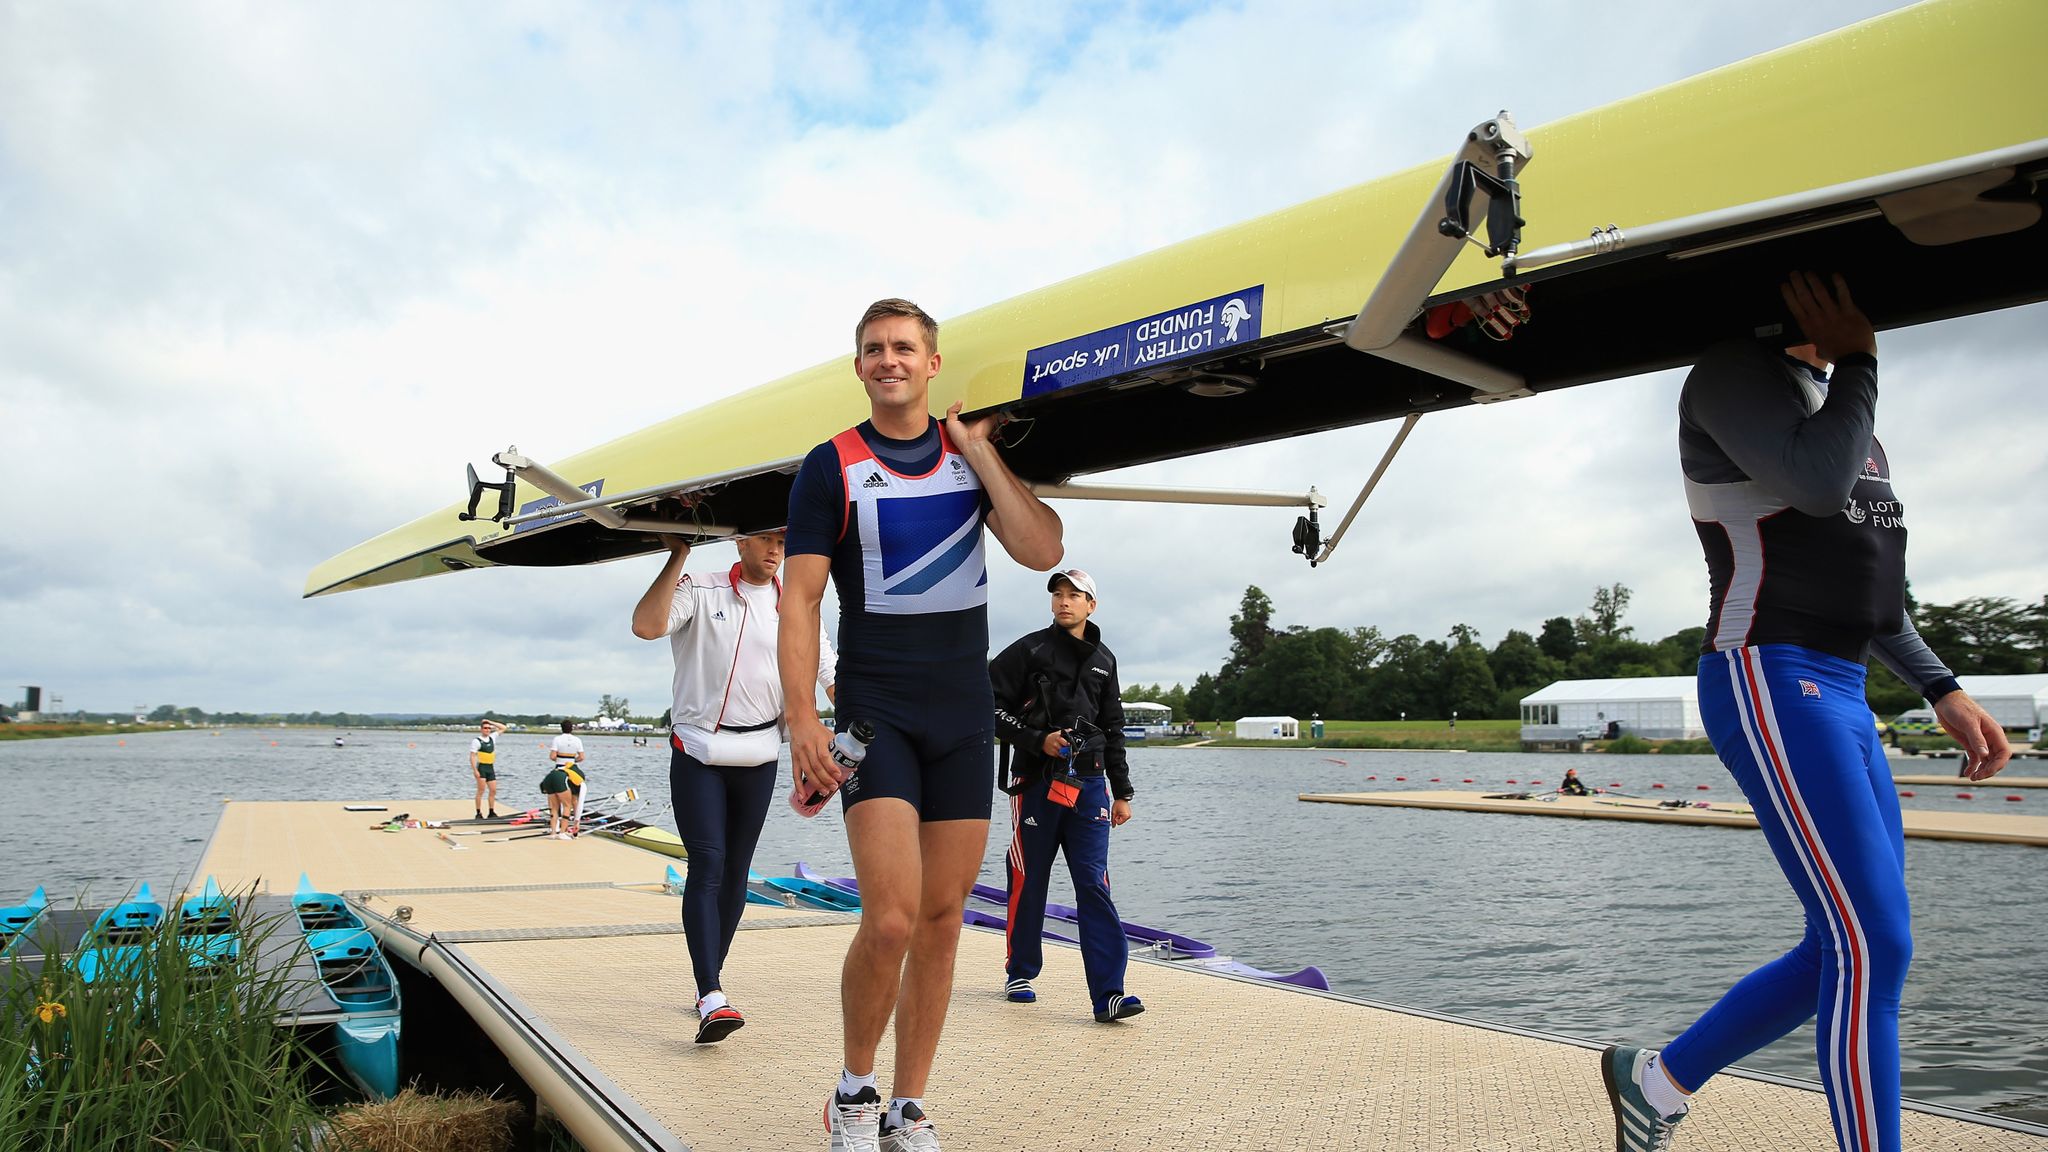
(967,433)
(1829,320)
(811,769)
(1985,748)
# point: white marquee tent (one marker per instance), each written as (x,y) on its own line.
(1653,707)
(1268,728)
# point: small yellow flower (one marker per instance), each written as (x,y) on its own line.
(48,1011)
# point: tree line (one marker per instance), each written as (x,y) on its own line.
(1361,674)
(615,707)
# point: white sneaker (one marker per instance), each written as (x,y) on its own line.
(855,1123)
(915,1134)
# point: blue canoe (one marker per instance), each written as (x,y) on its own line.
(113,946)
(758,892)
(816,893)
(359,979)
(757,888)
(207,928)
(18,922)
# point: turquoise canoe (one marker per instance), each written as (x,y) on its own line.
(113,946)
(208,928)
(815,894)
(357,976)
(18,921)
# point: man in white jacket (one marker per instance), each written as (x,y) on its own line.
(724,736)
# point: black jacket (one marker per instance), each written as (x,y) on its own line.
(1043,682)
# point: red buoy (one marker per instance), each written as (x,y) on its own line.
(2014,799)
(1966,796)
(1905,795)
(1468,781)
(1656,785)
(1535,781)
(1701,787)
(1401,778)
(1372,777)
(1511,781)
(1436,780)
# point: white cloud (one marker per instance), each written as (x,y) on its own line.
(269,275)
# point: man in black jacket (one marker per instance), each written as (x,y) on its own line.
(1059,714)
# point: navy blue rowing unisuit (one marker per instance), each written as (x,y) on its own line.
(902,522)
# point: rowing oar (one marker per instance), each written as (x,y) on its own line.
(601,821)
(626,797)
(609,821)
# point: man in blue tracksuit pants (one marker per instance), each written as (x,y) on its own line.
(1059,713)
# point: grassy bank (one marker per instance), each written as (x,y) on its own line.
(1468,736)
(52,731)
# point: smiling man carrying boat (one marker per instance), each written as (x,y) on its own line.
(891,511)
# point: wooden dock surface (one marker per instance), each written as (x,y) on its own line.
(1982,787)
(1983,827)
(1217,1063)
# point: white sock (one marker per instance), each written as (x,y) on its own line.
(1658,1089)
(711,1003)
(896,1109)
(850,1085)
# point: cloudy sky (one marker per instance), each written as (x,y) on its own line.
(271,273)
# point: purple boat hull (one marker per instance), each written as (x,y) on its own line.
(1176,947)
(1309,977)
(973,917)
(1172,944)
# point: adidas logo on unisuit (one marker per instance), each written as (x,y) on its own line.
(875,480)
(1031,820)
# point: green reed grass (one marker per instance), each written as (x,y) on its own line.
(159,1053)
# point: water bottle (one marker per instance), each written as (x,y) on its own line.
(849,748)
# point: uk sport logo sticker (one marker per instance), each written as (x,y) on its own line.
(1205,327)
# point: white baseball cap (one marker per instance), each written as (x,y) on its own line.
(1082,582)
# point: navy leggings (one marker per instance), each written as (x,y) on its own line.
(719,812)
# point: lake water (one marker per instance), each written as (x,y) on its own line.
(1597,929)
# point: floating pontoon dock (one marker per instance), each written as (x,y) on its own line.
(2002,780)
(571,958)
(1983,827)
